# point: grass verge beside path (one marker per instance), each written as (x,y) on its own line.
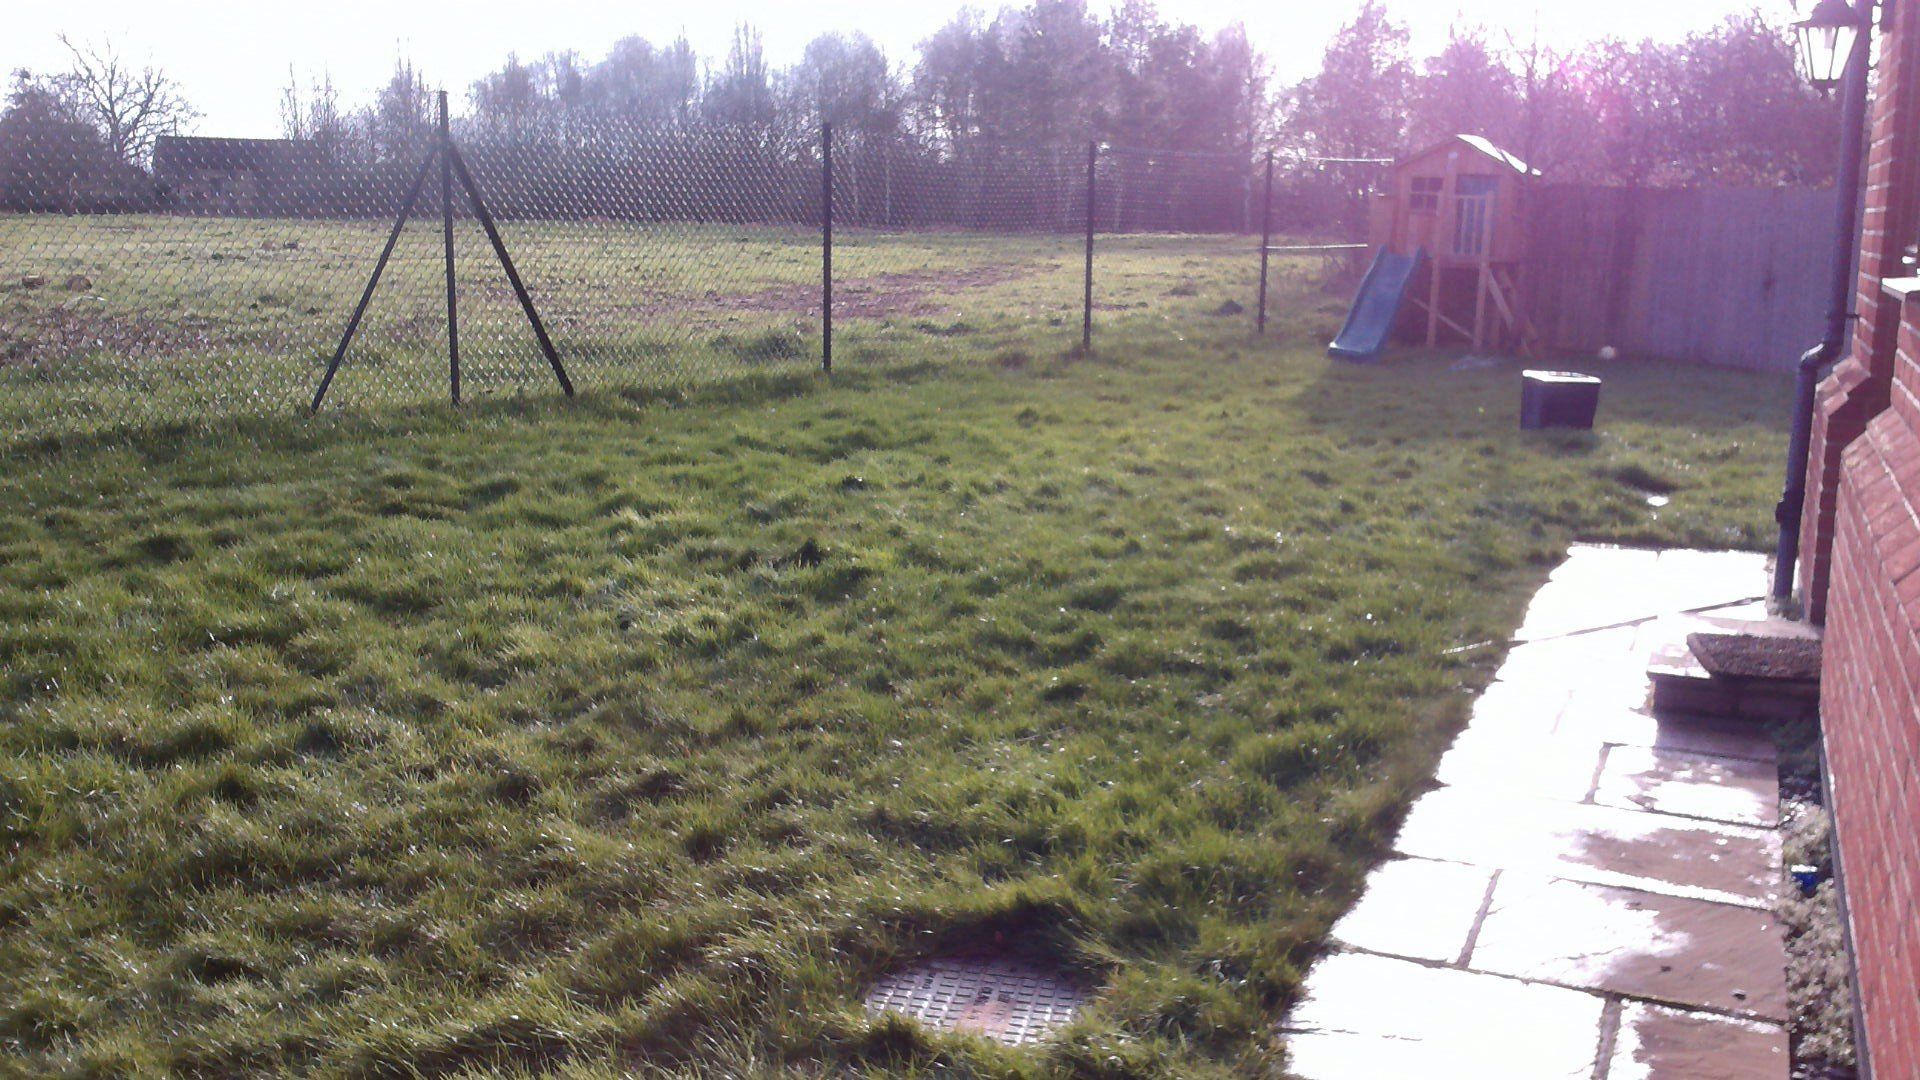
(643,735)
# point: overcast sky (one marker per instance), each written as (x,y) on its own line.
(232,58)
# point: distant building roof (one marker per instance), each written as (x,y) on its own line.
(176,154)
(1480,145)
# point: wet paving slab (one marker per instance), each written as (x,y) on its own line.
(1373,1017)
(1657,1043)
(1584,861)
(1418,908)
(1690,784)
(1645,945)
(1600,586)
(1640,726)
(1551,767)
(1601,845)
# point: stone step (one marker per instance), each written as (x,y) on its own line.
(1754,671)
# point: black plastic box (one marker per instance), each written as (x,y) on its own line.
(1558,399)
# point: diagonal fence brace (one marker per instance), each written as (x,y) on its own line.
(373,282)
(485,216)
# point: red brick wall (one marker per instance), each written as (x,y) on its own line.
(1890,214)
(1870,707)
(1863,575)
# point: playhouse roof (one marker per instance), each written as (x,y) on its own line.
(1479,145)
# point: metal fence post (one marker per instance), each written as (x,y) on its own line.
(1266,241)
(1086,302)
(826,247)
(446,233)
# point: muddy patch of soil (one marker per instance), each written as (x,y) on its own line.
(905,294)
(69,331)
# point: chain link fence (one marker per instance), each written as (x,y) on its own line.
(219,281)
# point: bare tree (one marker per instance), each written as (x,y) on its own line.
(401,119)
(130,105)
(317,117)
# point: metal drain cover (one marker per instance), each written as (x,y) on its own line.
(1010,1000)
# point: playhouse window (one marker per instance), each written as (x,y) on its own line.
(1425,194)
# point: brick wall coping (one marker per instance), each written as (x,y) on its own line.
(1901,288)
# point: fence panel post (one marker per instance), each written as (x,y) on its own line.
(1266,241)
(1086,301)
(826,248)
(446,234)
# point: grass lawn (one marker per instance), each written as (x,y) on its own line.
(642,733)
(173,319)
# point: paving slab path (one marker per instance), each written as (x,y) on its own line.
(1589,891)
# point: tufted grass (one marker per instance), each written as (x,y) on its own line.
(639,734)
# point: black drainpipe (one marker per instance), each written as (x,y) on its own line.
(1813,363)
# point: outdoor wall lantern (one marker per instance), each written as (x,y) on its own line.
(1826,41)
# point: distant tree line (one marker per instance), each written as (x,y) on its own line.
(1052,74)
(1724,105)
(1024,88)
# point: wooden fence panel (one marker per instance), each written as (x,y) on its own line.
(1727,276)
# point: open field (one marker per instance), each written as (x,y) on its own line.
(176,318)
(643,732)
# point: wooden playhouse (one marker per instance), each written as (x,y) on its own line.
(1461,201)
(1448,233)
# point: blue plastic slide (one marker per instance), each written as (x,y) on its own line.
(1376,308)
